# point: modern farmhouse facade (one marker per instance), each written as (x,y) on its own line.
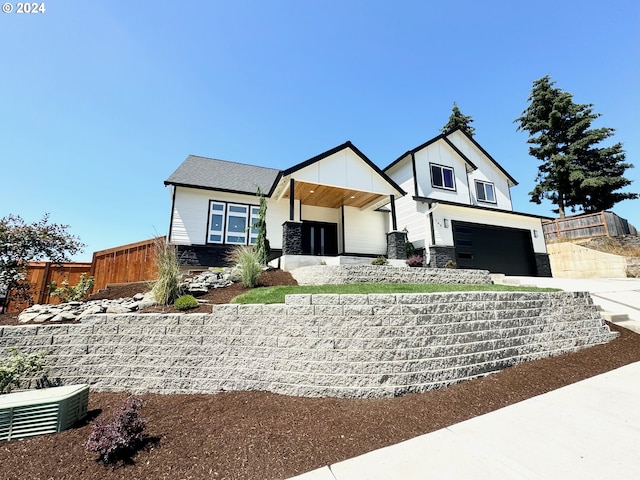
(458,209)
(448,197)
(337,203)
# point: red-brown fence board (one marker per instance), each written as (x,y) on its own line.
(124,264)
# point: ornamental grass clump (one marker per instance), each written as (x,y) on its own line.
(121,437)
(186,302)
(249,262)
(167,287)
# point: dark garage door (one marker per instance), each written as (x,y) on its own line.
(497,249)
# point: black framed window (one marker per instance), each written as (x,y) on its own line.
(485,192)
(442,177)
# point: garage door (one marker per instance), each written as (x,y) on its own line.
(497,249)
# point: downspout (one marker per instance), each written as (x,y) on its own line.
(173,206)
(433,233)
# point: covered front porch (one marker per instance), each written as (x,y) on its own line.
(340,205)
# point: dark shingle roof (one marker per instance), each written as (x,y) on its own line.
(213,174)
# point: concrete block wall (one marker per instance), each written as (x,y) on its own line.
(345,274)
(355,346)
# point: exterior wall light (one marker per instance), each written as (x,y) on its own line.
(446,223)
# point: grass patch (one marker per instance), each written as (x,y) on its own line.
(268,295)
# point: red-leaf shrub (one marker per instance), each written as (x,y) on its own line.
(414,261)
(120,437)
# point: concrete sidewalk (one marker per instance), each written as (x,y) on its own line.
(587,430)
(616,296)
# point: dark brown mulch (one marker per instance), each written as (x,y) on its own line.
(260,435)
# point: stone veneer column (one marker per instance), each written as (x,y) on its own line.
(292,238)
(439,256)
(397,245)
(543,265)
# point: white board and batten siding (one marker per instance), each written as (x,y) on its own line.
(344,169)
(487,171)
(444,234)
(440,153)
(364,231)
(191,213)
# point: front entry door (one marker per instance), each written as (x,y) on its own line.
(319,238)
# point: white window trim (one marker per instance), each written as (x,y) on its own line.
(249,219)
(222,224)
(244,233)
(442,168)
(484,189)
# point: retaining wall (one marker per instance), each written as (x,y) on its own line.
(317,345)
(345,274)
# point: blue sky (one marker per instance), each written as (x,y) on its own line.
(102,100)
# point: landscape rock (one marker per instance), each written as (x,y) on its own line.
(73,311)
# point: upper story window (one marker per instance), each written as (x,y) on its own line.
(442,177)
(232,223)
(485,192)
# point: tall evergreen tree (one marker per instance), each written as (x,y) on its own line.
(574,171)
(458,119)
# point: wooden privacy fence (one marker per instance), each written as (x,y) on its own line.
(586,226)
(128,263)
(41,274)
(124,264)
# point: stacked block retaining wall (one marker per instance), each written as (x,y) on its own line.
(317,345)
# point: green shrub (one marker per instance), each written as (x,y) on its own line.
(450,264)
(380,261)
(247,259)
(72,294)
(17,366)
(186,302)
(166,287)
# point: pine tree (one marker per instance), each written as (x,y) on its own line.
(574,172)
(458,119)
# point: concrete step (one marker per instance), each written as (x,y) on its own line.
(614,317)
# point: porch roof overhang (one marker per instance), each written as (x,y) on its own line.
(330,196)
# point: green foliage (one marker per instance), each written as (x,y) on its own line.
(574,171)
(246,258)
(75,293)
(262,243)
(17,366)
(380,261)
(409,248)
(166,288)
(186,302)
(21,243)
(450,264)
(120,437)
(269,295)
(458,120)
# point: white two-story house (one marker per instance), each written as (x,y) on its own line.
(458,209)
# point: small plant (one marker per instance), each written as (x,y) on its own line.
(414,261)
(120,437)
(18,366)
(76,293)
(248,261)
(450,264)
(166,288)
(380,261)
(186,302)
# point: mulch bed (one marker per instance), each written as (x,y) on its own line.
(261,435)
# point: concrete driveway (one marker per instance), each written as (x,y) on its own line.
(617,296)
